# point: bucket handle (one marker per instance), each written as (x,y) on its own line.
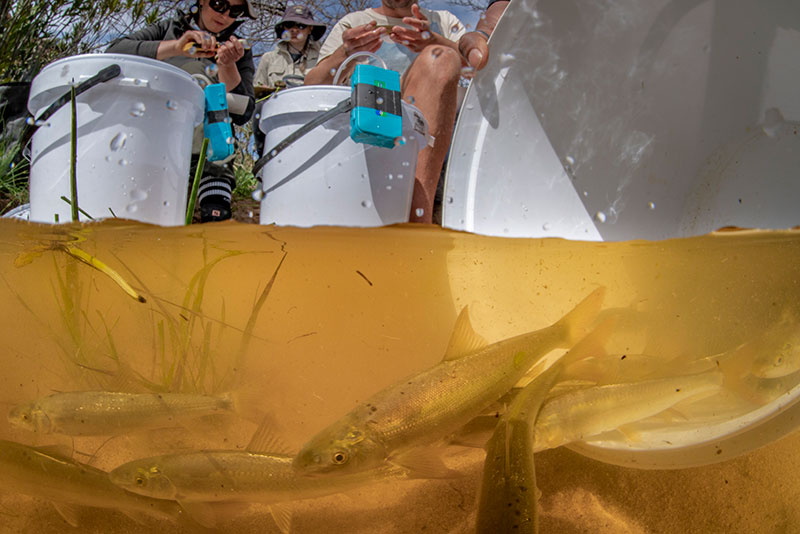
(107,73)
(342,107)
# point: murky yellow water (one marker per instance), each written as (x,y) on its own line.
(307,322)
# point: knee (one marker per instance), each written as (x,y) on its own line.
(440,63)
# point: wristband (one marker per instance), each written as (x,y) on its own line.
(482,33)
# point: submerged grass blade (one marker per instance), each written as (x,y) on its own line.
(92,261)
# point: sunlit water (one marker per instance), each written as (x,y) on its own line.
(305,323)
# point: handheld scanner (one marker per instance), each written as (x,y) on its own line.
(217,123)
(377,115)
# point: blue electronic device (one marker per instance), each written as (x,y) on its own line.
(377,114)
(217,123)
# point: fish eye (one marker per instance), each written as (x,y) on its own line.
(139,481)
(339,457)
(25,417)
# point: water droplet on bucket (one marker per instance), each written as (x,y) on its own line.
(132,208)
(399,176)
(229,140)
(258,194)
(450,200)
(258,116)
(773,119)
(250,214)
(388,187)
(546,226)
(64,70)
(123,162)
(419,212)
(118,141)
(570,160)
(138,109)
(172,105)
(651,205)
(406,164)
(138,195)
(366,204)
(600,217)
(391,176)
(212,70)
(30,121)
(400,141)
(273,153)
(166,203)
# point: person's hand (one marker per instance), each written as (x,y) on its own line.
(474,47)
(418,36)
(230,52)
(364,38)
(196,43)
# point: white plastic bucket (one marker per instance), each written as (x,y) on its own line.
(637,120)
(633,120)
(134,140)
(325,178)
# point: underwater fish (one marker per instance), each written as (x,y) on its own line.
(778,354)
(430,405)
(94,413)
(57,478)
(197,478)
(588,412)
(508,497)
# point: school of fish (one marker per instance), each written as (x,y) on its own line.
(582,393)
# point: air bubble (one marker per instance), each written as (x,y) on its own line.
(193,9)
(425,35)
(600,217)
(286,36)
(229,140)
(450,200)
(332,72)
(406,164)
(172,105)
(250,214)
(258,116)
(570,160)
(30,121)
(388,187)
(399,176)
(212,70)
(366,204)
(379,100)
(166,203)
(391,176)
(400,141)
(419,212)
(257,195)
(118,141)
(138,109)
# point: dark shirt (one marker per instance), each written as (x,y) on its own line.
(145,43)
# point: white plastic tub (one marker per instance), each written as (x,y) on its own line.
(134,140)
(632,120)
(637,120)
(325,178)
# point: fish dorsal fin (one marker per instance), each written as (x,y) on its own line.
(69,512)
(463,340)
(59,450)
(266,440)
(282,516)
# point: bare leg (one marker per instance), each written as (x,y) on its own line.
(432,81)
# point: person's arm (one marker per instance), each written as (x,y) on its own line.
(474,45)
(148,42)
(366,37)
(245,70)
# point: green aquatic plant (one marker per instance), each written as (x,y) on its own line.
(198,173)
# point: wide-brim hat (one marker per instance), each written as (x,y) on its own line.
(302,15)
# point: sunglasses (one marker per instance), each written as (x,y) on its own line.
(289,25)
(223,6)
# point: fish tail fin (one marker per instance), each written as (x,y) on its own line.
(246,402)
(578,321)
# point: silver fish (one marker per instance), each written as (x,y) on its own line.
(67,483)
(588,412)
(428,406)
(93,413)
